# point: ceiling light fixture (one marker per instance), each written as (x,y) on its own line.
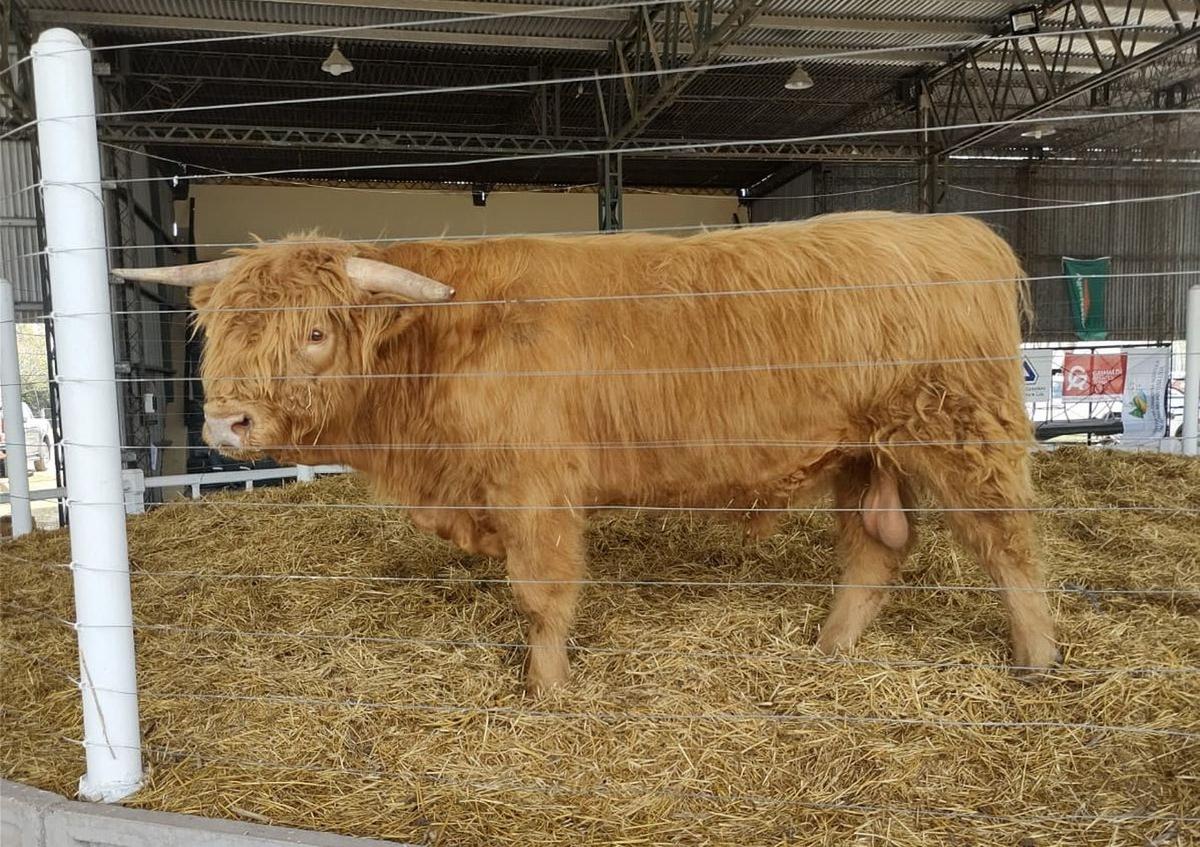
(1039,132)
(799,80)
(1023,20)
(336,64)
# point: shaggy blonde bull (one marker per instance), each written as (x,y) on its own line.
(566,374)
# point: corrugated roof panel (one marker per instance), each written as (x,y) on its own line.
(16,174)
(939,10)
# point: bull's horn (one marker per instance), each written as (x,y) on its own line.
(182,275)
(382,278)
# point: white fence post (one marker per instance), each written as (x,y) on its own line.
(17,460)
(134,483)
(76,252)
(1191,374)
(305,473)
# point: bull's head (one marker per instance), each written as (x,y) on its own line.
(293,332)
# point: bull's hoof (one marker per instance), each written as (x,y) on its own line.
(490,545)
(537,689)
(1030,663)
(835,639)
(545,670)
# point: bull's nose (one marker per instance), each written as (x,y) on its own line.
(228,430)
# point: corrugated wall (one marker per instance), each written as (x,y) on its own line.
(1142,237)
(18,227)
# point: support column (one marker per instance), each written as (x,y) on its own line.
(16,460)
(1191,375)
(930,191)
(611,218)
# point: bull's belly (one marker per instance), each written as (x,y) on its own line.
(735,480)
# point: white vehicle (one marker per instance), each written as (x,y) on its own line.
(39,440)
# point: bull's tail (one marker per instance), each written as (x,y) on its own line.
(1025,313)
(1010,268)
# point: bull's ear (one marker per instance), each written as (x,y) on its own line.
(378,330)
(201,295)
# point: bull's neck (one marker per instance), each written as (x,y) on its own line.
(395,410)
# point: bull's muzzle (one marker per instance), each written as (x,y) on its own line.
(230,431)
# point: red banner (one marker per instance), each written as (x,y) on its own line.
(1092,375)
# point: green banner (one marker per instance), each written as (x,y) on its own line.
(1086,281)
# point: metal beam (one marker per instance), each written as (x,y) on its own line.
(649,96)
(252,64)
(16,95)
(116,20)
(468,143)
(453,144)
(809,23)
(609,195)
(405,35)
(470,7)
(1033,74)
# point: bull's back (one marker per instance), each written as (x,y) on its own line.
(811,332)
(846,307)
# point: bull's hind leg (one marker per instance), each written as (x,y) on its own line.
(986,496)
(868,565)
(1003,544)
(545,565)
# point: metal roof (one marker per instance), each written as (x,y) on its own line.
(436,44)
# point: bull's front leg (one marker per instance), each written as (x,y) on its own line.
(545,566)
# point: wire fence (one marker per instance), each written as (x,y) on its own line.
(1183,595)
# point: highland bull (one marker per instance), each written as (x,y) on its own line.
(501,388)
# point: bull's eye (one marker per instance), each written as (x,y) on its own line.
(316,336)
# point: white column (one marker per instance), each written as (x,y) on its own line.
(1191,374)
(17,460)
(75,247)
(305,473)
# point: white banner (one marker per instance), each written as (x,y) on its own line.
(1036,366)
(1144,413)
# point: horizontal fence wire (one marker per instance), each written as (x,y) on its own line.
(628,507)
(812,658)
(666,147)
(629,716)
(589,79)
(781,718)
(748,443)
(1083,401)
(465,186)
(761,367)
(764,367)
(465,18)
(1003,210)
(456,189)
(650,296)
(559,787)
(1184,591)
(1009,195)
(45,664)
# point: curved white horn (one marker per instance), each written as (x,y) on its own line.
(383,278)
(182,275)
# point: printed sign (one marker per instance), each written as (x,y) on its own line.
(1144,413)
(1086,280)
(1036,367)
(1093,376)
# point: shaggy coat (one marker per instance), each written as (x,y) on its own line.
(874,354)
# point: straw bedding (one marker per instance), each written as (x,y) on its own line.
(697,714)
